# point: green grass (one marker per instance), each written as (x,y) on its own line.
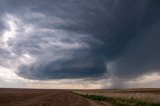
(116,101)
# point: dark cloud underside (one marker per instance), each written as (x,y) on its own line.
(77,39)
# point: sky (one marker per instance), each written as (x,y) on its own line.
(80,44)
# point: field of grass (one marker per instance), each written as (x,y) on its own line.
(127,97)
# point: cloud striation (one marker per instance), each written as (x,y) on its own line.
(69,39)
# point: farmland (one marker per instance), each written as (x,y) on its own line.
(44,97)
(68,97)
(124,97)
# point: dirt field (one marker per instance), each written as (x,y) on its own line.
(37,97)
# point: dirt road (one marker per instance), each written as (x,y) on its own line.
(31,97)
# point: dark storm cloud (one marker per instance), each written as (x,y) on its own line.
(60,69)
(142,54)
(2,26)
(75,39)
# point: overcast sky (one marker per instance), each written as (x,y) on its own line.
(79,43)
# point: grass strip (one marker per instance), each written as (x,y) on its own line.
(116,101)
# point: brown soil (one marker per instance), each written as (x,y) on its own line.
(34,97)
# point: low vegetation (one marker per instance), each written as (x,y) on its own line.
(117,101)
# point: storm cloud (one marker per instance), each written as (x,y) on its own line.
(69,39)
